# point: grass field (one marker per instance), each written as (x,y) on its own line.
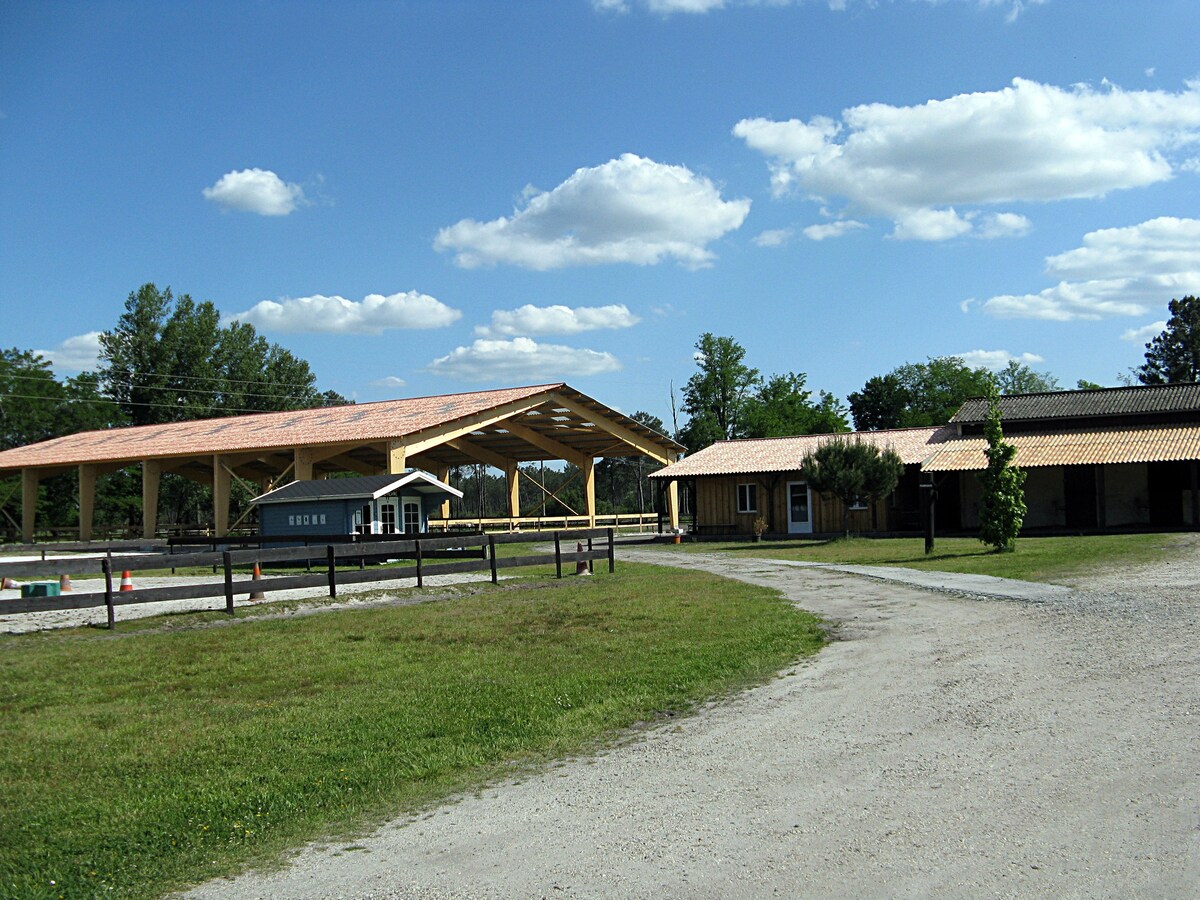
(135,762)
(1036,558)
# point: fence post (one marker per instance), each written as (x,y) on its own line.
(106,565)
(492,557)
(557,555)
(612,552)
(420,578)
(332,561)
(227,558)
(591,567)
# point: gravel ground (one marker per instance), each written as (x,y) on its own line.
(1032,742)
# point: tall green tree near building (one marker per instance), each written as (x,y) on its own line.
(915,394)
(169,359)
(1002,504)
(1174,355)
(729,399)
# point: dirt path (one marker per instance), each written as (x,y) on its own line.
(942,746)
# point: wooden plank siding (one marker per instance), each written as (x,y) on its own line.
(716,507)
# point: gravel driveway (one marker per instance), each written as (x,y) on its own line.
(945,744)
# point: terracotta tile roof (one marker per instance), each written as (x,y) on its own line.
(1121,401)
(1158,443)
(784,454)
(385,420)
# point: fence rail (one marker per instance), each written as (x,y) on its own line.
(328,557)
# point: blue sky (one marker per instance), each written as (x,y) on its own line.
(428,197)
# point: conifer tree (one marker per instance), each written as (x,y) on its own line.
(1002,506)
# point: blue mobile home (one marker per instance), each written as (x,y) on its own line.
(370,504)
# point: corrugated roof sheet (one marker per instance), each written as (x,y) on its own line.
(784,454)
(1161,443)
(1121,401)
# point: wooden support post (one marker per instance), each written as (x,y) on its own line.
(673,505)
(331,561)
(87,500)
(443,475)
(302,464)
(420,574)
(106,565)
(29,498)
(151,478)
(612,550)
(492,557)
(557,555)
(513,482)
(396,457)
(221,484)
(589,489)
(227,560)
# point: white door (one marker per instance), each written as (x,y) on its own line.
(799,508)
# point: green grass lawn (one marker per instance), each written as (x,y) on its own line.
(1036,558)
(135,762)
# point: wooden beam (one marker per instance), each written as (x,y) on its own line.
(302,463)
(512,475)
(443,434)
(151,476)
(29,497)
(544,442)
(87,500)
(397,453)
(589,489)
(628,435)
(220,488)
(673,504)
(480,454)
(348,463)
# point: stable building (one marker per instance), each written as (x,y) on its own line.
(368,504)
(1110,458)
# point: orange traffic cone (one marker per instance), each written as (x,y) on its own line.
(126,581)
(257,594)
(9,585)
(581,566)
(64,584)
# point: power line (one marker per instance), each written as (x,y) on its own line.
(147,405)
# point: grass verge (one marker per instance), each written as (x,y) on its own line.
(1036,559)
(138,762)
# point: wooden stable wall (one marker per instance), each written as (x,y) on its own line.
(716,507)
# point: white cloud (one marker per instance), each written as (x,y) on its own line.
(529,320)
(995,360)
(391,381)
(521,359)
(372,315)
(774,237)
(76,354)
(1128,271)
(832,229)
(922,166)
(1002,225)
(256,190)
(628,210)
(931,225)
(1146,333)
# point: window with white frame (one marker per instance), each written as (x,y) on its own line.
(747,498)
(412,517)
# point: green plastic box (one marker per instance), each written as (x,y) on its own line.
(40,589)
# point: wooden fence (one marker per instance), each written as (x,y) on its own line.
(328,558)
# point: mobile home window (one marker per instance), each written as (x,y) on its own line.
(747,498)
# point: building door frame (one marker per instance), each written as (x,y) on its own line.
(799,514)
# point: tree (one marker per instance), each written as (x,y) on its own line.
(852,470)
(1084,385)
(1018,378)
(170,359)
(781,407)
(913,394)
(1002,505)
(715,396)
(1174,355)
